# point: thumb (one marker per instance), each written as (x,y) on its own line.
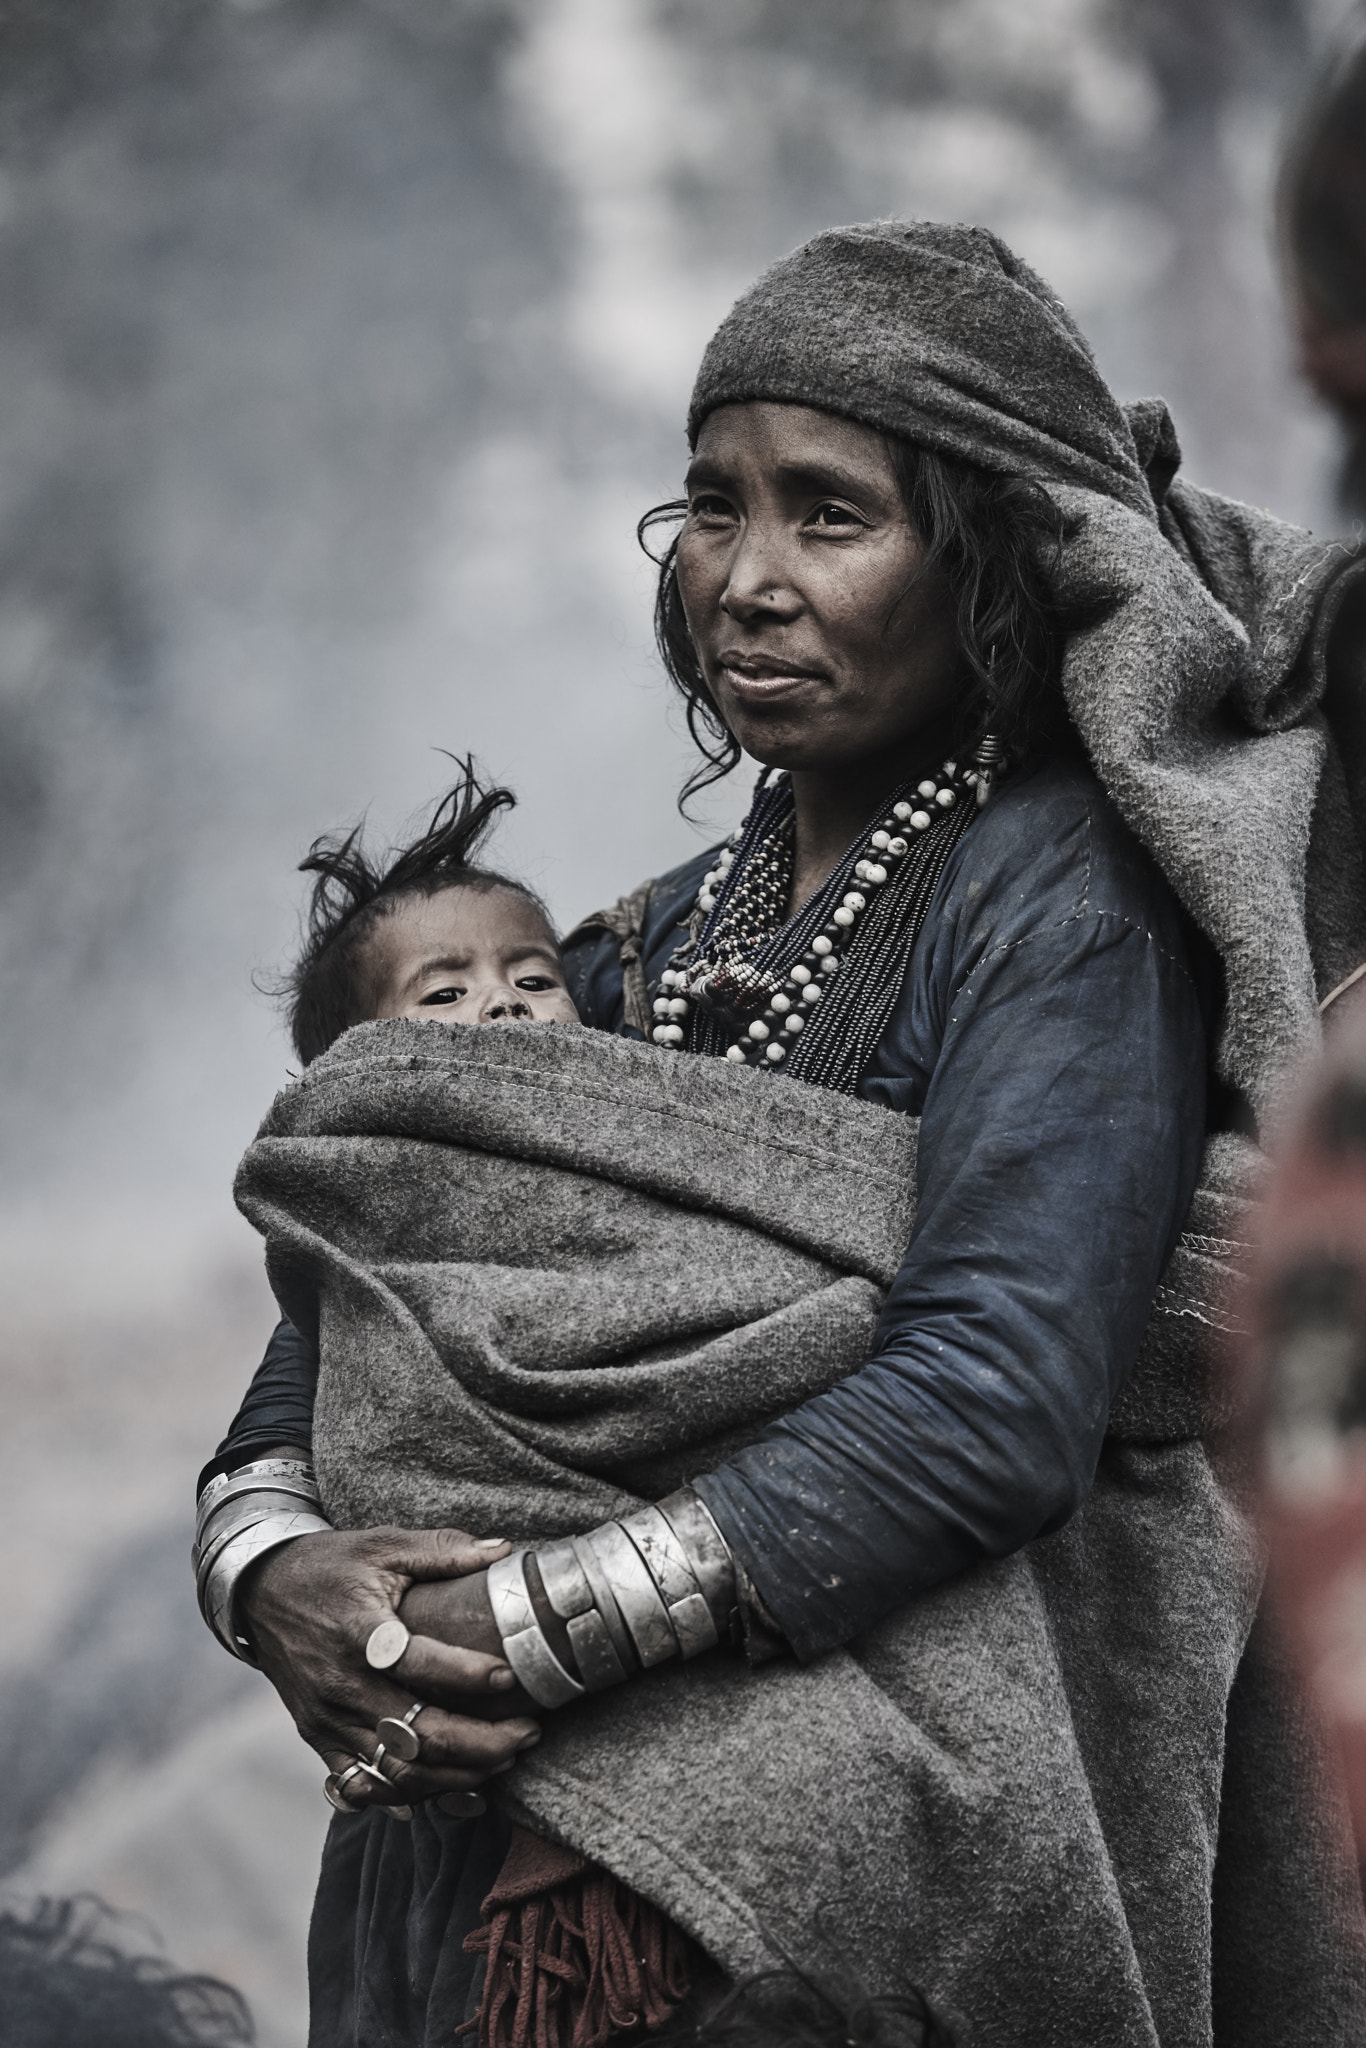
(418,1554)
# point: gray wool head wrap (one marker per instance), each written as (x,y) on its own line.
(939,334)
(1197,665)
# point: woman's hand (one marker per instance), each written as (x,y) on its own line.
(310,1608)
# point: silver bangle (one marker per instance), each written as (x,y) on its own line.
(642,1610)
(568,1590)
(239,1512)
(707,1551)
(605,1606)
(565,1581)
(242,1485)
(205,1559)
(218,1588)
(657,1584)
(292,1470)
(671,1569)
(537,1669)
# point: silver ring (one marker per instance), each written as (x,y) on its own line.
(400,1738)
(386,1643)
(334,1789)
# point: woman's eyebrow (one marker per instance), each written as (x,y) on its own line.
(797,475)
(702,470)
(826,476)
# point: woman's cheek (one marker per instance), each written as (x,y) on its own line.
(701,573)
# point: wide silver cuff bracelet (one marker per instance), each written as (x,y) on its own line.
(658,1584)
(241,1516)
(537,1669)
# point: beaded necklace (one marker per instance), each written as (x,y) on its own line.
(811,994)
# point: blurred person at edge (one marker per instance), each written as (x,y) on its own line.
(1303,1360)
(1323,230)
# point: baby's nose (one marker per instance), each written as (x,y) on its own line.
(502,1006)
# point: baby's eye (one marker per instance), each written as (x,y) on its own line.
(536,983)
(441,995)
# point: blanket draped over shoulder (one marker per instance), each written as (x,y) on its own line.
(556,1273)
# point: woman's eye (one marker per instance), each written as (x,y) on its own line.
(707,505)
(830,516)
(443,995)
(536,983)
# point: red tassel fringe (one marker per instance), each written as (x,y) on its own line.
(574,1956)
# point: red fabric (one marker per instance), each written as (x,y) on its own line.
(574,1956)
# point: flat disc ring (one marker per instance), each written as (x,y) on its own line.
(400,1738)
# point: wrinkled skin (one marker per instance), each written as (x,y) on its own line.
(309,1609)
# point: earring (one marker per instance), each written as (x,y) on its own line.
(988,760)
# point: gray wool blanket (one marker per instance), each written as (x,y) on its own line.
(554,1274)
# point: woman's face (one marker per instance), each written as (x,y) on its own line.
(821,641)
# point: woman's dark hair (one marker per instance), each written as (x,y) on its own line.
(332,984)
(992,536)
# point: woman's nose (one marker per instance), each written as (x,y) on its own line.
(759,584)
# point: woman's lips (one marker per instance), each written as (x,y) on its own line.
(765,689)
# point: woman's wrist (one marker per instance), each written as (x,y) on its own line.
(588,1612)
(244,1516)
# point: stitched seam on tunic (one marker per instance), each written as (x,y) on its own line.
(1048,931)
(1086,883)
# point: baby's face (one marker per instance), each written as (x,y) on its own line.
(469,956)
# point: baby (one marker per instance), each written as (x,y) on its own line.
(429,934)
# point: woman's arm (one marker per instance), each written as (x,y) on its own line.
(1056,1050)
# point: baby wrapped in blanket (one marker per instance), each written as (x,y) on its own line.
(552,1273)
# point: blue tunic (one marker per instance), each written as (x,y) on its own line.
(1051,1035)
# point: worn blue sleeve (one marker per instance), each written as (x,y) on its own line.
(1052,1036)
(277,1407)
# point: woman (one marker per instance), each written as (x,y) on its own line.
(920,532)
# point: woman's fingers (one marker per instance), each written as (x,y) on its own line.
(433,1553)
(455,1742)
(311,1608)
(440,1671)
(455,1758)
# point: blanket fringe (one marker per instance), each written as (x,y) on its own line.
(574,1955)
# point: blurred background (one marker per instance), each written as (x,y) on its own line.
(342,342)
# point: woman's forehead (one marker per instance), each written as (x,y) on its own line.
(793,439)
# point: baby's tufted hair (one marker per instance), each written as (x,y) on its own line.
(332,984)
